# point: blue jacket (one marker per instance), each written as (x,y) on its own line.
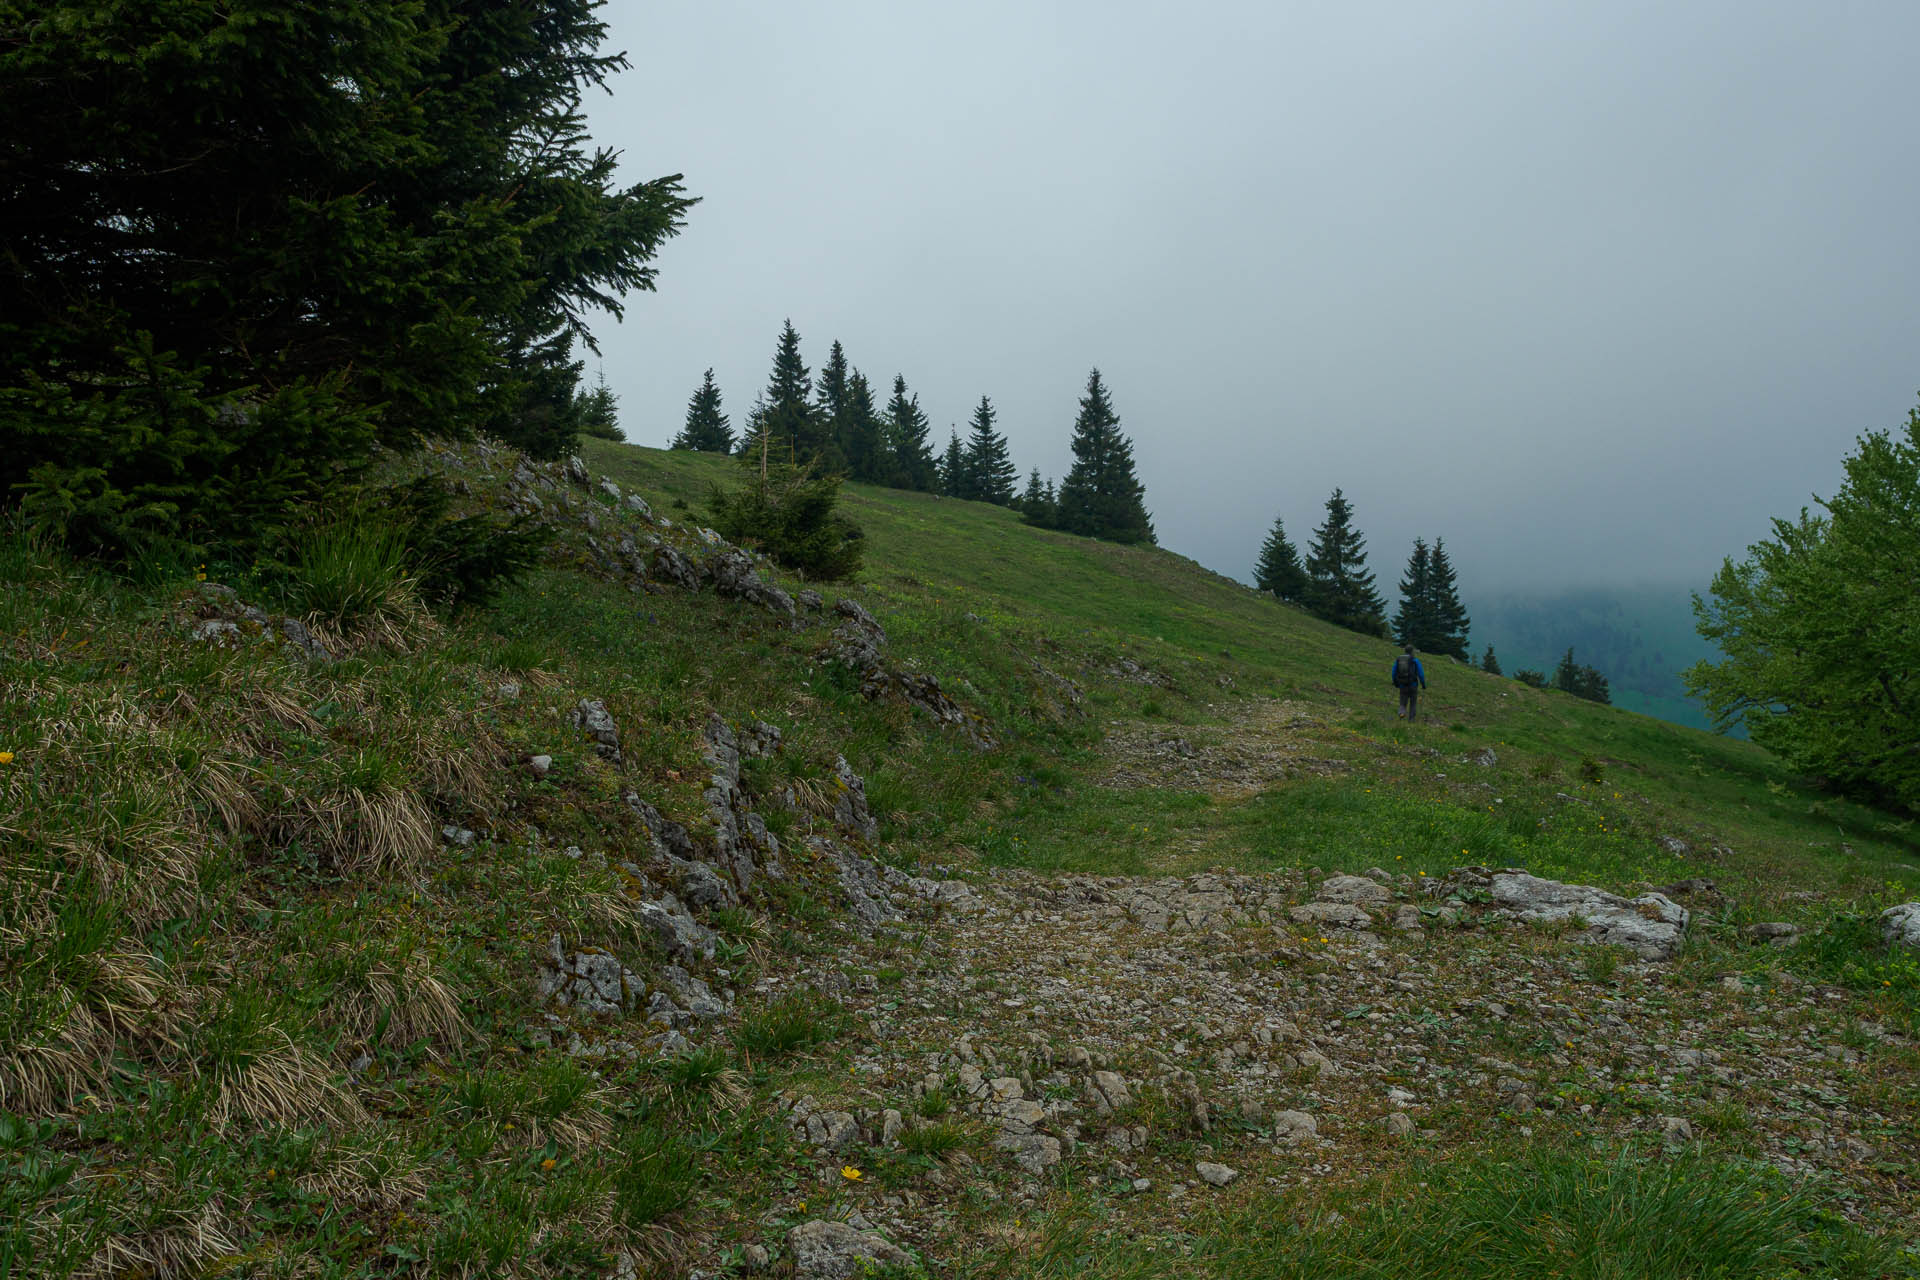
(1418,670)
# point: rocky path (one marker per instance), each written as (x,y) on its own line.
(1175,1038)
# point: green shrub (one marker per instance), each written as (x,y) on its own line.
(789,513)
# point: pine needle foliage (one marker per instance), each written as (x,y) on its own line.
(1101,496)
(249,242)
(988,470)
(1339,586)
(1279,571)
(707,429)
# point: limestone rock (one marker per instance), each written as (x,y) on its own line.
(1331,915)
(835,1251)
(1357,890)
(678,933)
(1778,932)
(1215,1175)
(668,563)
(1650,925)
(850,811)
(1398,1124)
(1900,925)
(1293,1127)
(592,982)
(592,718)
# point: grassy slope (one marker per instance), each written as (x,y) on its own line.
(225,888)
(932,561)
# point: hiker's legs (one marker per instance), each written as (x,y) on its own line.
(1409,702)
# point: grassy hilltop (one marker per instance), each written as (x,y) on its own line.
(276,928)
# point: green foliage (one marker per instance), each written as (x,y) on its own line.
(786,427)
(1820,626)
(350,572)
(793,1024)
(654,1175)
(1580,680)
(954,481)
(1339,587)
(1279,570)
(987,472)
(707,428)
(1101,497)
(598,412)
(1445,614)
(910,460)
(859,433)
(1489,663)
(250,241)
(1413,622)
(1036,504)
(1531,678)
(789,513)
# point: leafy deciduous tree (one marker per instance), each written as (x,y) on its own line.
(1820,626)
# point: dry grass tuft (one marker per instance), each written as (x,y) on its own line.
(413,1003)
(282,1084)
(193,1243)
(376,1181)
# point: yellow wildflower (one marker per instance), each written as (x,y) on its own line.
(850,1173)
(6,757)
(547,1163)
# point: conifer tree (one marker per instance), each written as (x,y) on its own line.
(1413,621)
(707,429)
(1489,663)
(598,412)
(1445,614)
(954,480)
(784,427)
(1101,497)
(1279,571)
(1339,587)
(990,472)
(861,440)
(1566,676)
(1037,503)
(830,421)
(910,460)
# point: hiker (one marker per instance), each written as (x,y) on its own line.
(1409,679)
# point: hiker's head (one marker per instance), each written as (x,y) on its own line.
(1409,651)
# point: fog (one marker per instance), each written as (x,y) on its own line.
(1590,291)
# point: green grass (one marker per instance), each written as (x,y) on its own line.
(1543,1213)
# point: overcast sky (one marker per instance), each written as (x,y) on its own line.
(1590,290)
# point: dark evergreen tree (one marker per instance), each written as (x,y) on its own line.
(707,429)
(830,419)
(1446,615)
(1413,620)
(1489,663)
(1566,676)
(1037,503)
(784,426)
(954,480)
(990,472)
(910,461)
(861,435)
(598,412)
(1279,570)
(1339,587)
(1101,497)
(247,243)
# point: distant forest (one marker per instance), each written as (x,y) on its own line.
(1641,637)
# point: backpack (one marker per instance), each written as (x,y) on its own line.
(1404,676)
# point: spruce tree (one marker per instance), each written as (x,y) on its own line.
(830,425)
(1446,615)
(1339,587)
(1413,620)
(707,429)
(990,472)
(784,427)
(954,480)
(598,412)
(248,244)
(1279,571)
(1489,663)
(1101,497)
(1566,676)
(861,439)
(910,460)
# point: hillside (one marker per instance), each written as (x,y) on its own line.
(1048,908)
